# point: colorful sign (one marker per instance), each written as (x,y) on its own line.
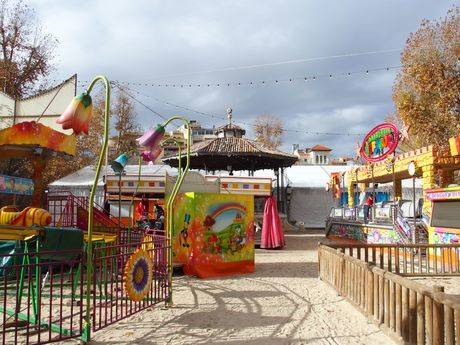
(214,234)
(441,235)
(380,142)
(443,194)
(16,185)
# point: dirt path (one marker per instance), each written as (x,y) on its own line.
(283,302)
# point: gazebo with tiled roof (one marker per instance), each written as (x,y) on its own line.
(230,151)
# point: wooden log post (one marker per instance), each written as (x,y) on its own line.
(420,319)
(413,316)
(429,319)
(362,288)
(381,300)
(405,313)
(457,325)
(386,297)
(375,282)
(398,308)
(438,318)
(392,306)
(370,292)
(449,328)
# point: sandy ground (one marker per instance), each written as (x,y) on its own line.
(451,284)
(283,302)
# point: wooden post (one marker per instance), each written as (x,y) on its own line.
(449,325)
(370,292)
(413,317)
(375,281)
(420,319)
(457,324)
(398,309)
(392,305)
(283,194)
(389,256)
(386,293)
(381,300)
(429,319)
(405,313)
(438,318)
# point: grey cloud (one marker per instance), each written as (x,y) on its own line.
(145,41)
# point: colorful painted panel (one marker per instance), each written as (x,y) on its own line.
(348,232)
(381,236)
(443,236)
(16,185)
(214,234)
(364,234)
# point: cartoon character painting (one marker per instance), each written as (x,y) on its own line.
(216,237)
(183,236)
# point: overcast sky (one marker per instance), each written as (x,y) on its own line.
(159,42)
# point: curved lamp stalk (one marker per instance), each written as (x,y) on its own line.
(179,150)
(172,197)
(131,208)
(89,249)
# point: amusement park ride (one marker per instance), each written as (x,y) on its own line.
(63,281)
(433,219)
(71,269)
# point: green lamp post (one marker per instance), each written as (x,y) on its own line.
(152,138)
(77,117)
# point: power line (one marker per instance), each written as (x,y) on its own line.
(241,122)
(138,101)
(279,63)
(142,103)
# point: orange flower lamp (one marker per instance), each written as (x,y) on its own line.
(78,114)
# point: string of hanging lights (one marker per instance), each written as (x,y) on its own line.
(223,117)
(294,80)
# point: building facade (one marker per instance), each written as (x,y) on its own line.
(316,155)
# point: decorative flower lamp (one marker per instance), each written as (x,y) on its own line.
(118,165)
(78,114)
(152,137)
(152,155)
(77,117)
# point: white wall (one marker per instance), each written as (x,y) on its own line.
(51,103)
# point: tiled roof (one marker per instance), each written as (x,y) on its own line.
(230,126)
(234,145)
(320,147)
